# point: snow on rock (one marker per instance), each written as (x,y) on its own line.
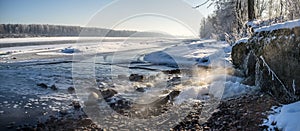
(192,93)
(222,87)
(243,40)
(195,53)
(253,24)
(284,118)
(285,25)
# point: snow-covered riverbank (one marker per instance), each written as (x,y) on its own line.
(23,69)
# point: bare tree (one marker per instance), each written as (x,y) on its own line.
(251,10)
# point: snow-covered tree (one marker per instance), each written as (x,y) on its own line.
(229,18)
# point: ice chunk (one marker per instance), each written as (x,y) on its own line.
(69,50)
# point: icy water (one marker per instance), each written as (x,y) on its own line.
(22,101)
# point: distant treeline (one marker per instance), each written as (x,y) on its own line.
(39,30)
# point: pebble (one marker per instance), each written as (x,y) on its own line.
(140,89)
(71,90)
(63,112)
(87,121)
(53,87)
(76,105)
(42,85)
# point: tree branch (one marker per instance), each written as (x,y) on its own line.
(201,4)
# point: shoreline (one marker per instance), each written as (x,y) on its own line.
(246,112)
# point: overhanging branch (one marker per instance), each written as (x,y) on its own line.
(202,4)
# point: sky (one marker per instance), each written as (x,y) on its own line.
(176,17)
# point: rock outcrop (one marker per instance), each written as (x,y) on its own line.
(270,59)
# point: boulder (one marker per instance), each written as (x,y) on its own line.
(166,99)
(53,87)
(140,89)
(271,61)
(174,81)
(239,54)
(108,93)
(76,105)
(42,85)
(71,89)
(136,78)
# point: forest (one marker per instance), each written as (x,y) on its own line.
(40,30)
(236,19)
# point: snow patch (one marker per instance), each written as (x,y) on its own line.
(285,25)
(284,118)
(243,40)
(192,93)
(254,23)
(195,53)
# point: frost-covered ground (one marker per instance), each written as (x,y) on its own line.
(284,118)
(22,68)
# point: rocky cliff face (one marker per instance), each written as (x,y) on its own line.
(270,59)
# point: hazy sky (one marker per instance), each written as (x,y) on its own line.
(176,17)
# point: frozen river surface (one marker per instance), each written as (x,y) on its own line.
(24,69)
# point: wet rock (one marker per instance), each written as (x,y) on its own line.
(165,91)
(53,87)
(119,104)
(42,85)
(76,105)
(268,53)
(122,77)
(71,90)
(108,93)
(101,85)
(166,99)
(239,73)
(239,54)
(249,81)
(297,31)
(174,81)
(176,71)
(63,112)
(136,78)
(151,78)
(250,64)
(140,89)
(86,121)
(203,60)
(173,94)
